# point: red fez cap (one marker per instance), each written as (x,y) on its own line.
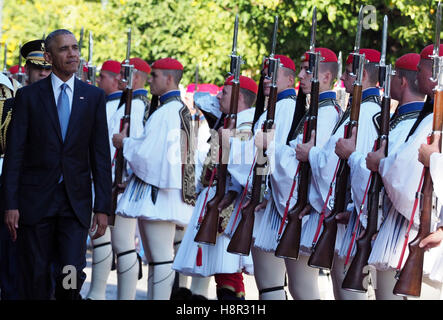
(327,55)
(140,65)
(85,68)
(370,54)
(284,60)
(245,83)
(111,66)
(14,69)
(428,50)
(204,87)
(167,64)
(408,61)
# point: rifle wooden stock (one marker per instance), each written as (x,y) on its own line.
(207,231)
(119,160)
(242,238)
(289,244)
(323,251)
(409,282)
(355,277)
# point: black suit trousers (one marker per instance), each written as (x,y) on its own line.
(53,249)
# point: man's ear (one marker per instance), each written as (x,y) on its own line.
(48,57)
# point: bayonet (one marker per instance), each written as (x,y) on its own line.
(340,67)
(312,42)
(80,42)
(196,78)
(271,59)
(5,68)
(82,61)
(356,52)
(436,50)
(382,63)
(128,68)
(90,47)
(21,76)
(233,55)
(92,70)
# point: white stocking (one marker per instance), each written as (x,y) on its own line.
(101,266)
(269,274)
(384,285)
(337,277)
(200,285)
(123,236)
(159,236)
(302,279)
(179,234)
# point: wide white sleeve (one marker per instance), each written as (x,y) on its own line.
(155,157)
(359,173)
(436,170)
(401,171)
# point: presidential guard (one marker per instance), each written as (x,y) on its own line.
(323,161)
(113,241)
(161,191)
(198,259)
(405,90)
(302,280)
(389,252)
(269,271)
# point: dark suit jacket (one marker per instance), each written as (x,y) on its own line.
(36,155)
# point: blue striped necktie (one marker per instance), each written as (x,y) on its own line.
(63,109)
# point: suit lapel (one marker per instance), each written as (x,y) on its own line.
(78,102)
(48,99)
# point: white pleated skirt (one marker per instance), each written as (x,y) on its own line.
(387,247)
(214,258)
(136,202)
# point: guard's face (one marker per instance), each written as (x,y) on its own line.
(396,86)
(425,85)
(224,98)
(348,80)
(35,73)
(108,82)
(284,81)
(305,77)
(64,55)
(158,82)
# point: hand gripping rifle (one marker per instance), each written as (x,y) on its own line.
(323,251)
(356,274)
(241,239)
(79,73)
(289,243)
(410,278)
(207,230)
(119,159)
(92,70)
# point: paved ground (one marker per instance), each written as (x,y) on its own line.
(250,287)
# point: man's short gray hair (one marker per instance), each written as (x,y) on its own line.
(50,38)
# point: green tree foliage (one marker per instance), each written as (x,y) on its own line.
(200,31)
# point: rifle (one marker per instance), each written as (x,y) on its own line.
(289,243)
(92,70)
(5,68)
(119,160)
(79,73)
(207,230)
(354,279)
(21,76)
(323,251)
(410,278)
(241,239)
